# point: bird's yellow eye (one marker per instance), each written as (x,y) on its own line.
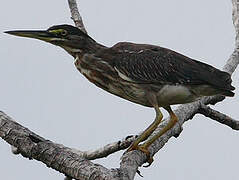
(63,32)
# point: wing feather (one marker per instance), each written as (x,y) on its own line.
(153,64)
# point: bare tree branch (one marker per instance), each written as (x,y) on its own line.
(75,15)
(219,117)
(108,149)
(125,142)
(56,156)
(74,163)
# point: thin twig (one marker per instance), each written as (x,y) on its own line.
(219,117)
(108,149)
(75,15)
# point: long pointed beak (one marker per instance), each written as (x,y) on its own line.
(41,35)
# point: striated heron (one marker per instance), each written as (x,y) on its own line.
(149,75)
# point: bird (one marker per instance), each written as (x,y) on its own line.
(149,75)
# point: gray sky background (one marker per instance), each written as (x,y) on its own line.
(42,90)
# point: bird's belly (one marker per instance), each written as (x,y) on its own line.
(166,95)
(128,91)
(131,92)
(175,94)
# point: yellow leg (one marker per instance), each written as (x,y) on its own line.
(147,132)
(172,122)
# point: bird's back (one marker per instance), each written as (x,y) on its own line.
(151,64)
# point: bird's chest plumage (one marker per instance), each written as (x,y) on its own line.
(106,77)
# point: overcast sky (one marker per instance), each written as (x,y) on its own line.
(42,90)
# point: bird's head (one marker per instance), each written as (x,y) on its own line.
(72,39)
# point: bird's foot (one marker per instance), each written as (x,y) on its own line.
(145,150)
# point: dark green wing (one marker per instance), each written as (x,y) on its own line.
(153,64)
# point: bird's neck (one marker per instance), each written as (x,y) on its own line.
(90,47)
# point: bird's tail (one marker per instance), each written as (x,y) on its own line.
(226,84)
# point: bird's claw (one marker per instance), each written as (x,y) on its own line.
(145,151)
